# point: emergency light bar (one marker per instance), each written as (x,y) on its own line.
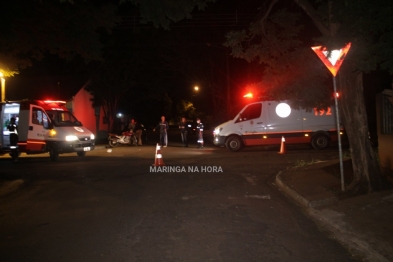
(248,95)
(54,101)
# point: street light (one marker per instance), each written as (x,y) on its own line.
(2,87)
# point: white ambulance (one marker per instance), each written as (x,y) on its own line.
(266,122)
(44,126)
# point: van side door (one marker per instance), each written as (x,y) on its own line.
(37,130)
(250,121)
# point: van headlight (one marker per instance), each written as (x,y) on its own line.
(217,131)
(71,138)
(92,136)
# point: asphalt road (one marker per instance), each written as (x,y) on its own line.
(115,207)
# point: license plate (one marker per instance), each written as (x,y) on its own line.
(86,149)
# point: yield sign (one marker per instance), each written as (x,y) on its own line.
(332,59)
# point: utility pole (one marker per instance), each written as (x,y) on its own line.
(229,105)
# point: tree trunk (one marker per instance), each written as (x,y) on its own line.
(353,113)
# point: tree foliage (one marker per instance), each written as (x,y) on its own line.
(290,69)
(30,29)
(364,23)
(68,28)
(185,109)
(110,81)
(164,12)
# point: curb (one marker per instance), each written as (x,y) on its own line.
(9,187)
(301,200)
(290,192)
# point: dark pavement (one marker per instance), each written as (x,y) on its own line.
(173,215)
(111,207)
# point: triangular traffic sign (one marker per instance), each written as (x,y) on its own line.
(332,59)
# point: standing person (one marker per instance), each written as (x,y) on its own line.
(200,133)
(127,128)
(13,129)
(183,131)
(163,125)
(131,125)
(138,132)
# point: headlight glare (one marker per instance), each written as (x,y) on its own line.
(71,138)
(217,131)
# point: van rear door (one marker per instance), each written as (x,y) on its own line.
(8,110)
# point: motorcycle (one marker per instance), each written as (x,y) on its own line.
(127,138)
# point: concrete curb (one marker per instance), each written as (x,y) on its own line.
(300,199)
(290,192)
(9,187)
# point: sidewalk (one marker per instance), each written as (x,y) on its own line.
(363,224)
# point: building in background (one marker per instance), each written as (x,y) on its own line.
(81,105)
(385,131)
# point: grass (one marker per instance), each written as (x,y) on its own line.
(303,163)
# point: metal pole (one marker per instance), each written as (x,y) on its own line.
(2,89)
(338,134)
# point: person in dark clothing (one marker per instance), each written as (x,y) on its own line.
(138,132)
(183,131)
(164,126)
(13,129)
(131,125)
(200,133)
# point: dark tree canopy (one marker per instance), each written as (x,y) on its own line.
(290,69)
(35,28)
(68,28)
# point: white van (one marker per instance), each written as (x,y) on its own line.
(266,122)
(44,126)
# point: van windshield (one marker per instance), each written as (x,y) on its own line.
(63,118)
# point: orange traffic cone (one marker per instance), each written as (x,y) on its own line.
(283,150)
(158,161)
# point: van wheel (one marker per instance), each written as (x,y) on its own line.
(320,141)
(81,153)
(234,143)
(53,153)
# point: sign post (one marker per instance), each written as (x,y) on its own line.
(333,60)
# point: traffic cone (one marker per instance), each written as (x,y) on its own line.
(283,150)
(158,161)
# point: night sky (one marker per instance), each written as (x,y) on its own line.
(163,56)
